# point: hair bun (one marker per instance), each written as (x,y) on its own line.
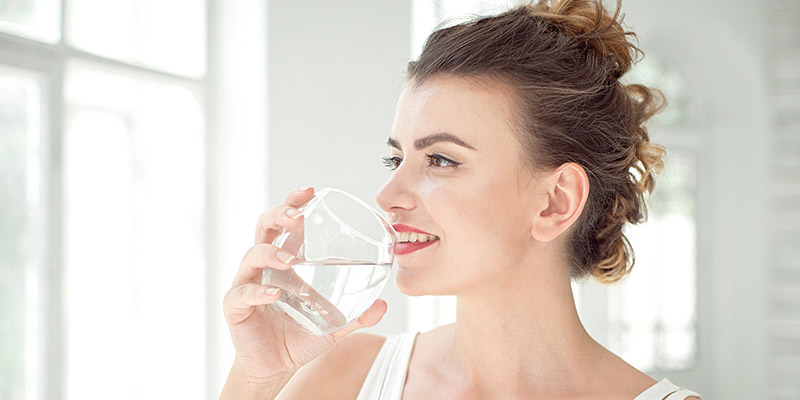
(617,263)
(589,21)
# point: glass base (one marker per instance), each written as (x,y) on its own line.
(304,306)
(301,320)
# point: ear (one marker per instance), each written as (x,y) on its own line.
(566,191)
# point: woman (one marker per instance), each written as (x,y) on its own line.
(518,157)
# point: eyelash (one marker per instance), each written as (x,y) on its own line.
(393,162)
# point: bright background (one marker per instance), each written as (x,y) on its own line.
(141,139)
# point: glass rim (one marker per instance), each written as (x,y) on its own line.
(320,194)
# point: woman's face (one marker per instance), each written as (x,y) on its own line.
(459,176)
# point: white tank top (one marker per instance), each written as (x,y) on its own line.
(387,376)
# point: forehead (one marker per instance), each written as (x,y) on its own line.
(479,111)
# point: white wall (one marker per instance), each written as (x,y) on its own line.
(336,70)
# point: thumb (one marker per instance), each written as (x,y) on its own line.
(372,316)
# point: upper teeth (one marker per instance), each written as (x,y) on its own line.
(414,237)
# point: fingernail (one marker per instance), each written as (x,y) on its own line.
(285,257)
(303,188)
(293,213)
(271,291)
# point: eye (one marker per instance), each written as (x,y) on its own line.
(437,160)
(392,162)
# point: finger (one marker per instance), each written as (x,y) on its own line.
(298,197)
(372,316)
(272,222)
(259,257)
(240,301)
(268,228)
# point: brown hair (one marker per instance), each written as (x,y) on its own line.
(563,61)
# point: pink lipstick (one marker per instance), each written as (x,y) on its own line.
(411,239)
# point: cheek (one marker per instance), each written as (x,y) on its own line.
(485,226)
(434,192)
(490,235)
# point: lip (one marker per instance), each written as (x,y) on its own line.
(410,247)
(406,228)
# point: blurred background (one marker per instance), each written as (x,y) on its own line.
(141,139)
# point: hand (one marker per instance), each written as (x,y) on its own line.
(266,344)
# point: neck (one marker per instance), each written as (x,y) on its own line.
(522,333)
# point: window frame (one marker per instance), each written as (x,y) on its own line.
(29,55)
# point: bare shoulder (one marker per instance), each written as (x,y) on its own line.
(617,378)
(635,382)
(337,373)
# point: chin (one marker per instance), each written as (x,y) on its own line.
(420,283)
(407,284)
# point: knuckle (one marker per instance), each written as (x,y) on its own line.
(263,217)
(247,256)
(274,218)
(246,293)
(267,217)
(229,299)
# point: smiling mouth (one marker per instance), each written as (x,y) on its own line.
(409,242)
(414,237)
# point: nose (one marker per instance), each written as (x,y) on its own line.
(397,194)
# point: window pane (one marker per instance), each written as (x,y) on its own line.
(134,189)
(36,19)
(20,209)
(167,35)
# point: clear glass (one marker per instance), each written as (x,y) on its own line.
(20,216)
(344,251)
(166,35)
(134,173)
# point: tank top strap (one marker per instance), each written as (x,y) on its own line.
(665,390)
(387,375)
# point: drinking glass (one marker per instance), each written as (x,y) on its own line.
(344,252)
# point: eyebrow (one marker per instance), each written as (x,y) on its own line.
(428,141)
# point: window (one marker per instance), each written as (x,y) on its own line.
(142,32)
(36,19)
(134,233)
(102,181)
